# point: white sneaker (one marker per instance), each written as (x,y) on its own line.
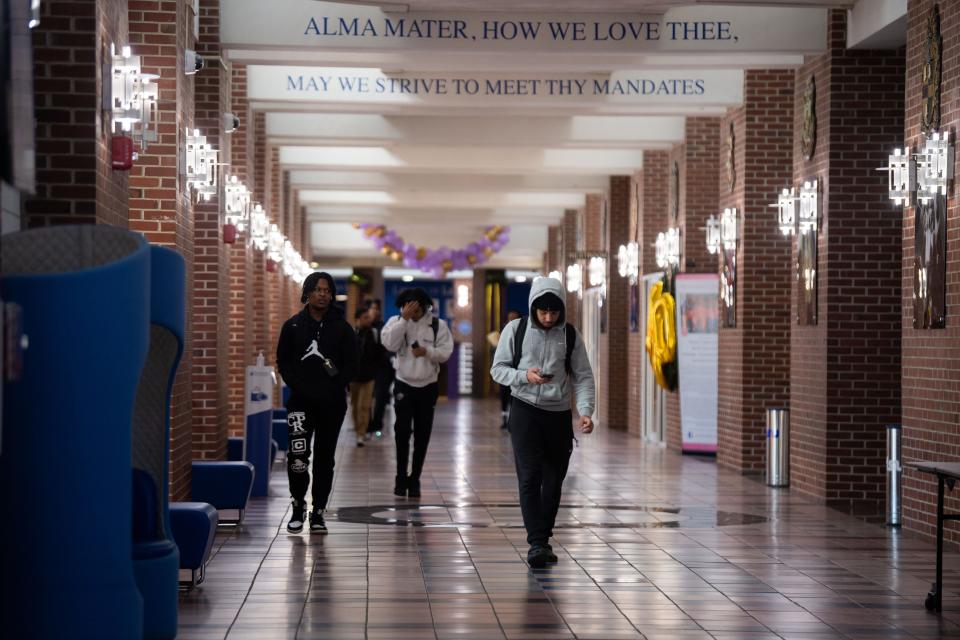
(360,441)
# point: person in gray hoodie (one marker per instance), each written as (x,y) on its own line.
(552,366)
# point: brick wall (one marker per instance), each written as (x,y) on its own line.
(211,256)
(160,202)
(75,182)
(754,356)
(845,371)
(613,344)
(240,337)
(931,358)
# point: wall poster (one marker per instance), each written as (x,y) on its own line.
(698,327)
(807,276)
(930,264)
(728,286)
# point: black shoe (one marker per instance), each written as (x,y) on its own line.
(296,519)
(413,487)
(538,556)
(551,556)
(317,525)
(400,486)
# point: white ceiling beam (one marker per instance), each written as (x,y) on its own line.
(441,199)
(301,179)
(481,160)
(463,213)
(577,131)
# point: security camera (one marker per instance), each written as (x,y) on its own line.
(192,62)
(230,123)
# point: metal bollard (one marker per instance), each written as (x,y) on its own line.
(778,447)
(894,475)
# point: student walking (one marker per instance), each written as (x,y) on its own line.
(544,361)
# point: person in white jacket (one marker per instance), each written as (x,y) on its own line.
(422,343)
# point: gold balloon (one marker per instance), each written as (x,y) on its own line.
(380,231)
(369,231)
(447,265)
(385,251)
(421,253)
(472,259)
(396,256)
(487,251)
(356,225)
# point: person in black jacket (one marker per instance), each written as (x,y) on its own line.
(361,391)
(317,357)
(385,375)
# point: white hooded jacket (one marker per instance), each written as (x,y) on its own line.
(546,349)
(398,335)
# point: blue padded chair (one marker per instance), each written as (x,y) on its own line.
(194,525)
(155,556)
(280,428)
(225,485)
(235,449)
(65,474)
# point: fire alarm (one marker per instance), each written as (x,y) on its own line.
(271,265)
(121,153)
(229,233)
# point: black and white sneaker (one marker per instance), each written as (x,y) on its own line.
(297,517)
(317,525)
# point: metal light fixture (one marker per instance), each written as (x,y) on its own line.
(275,244)
(901,176)
(574,278)
(556,275)
(200,165)
(667,248)
(597,271)
(132,97)
(786,206)
(236,203)
(713,235)
(259,227)
(934,166)
(728,229)
(809,207)
(628,261)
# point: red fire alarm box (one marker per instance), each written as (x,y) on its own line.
(271,265)
(229,233)
(121,153)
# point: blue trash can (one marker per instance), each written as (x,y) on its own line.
(65,473)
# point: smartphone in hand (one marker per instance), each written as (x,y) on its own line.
(546,376)
(416,344)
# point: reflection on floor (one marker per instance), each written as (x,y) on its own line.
(651,544)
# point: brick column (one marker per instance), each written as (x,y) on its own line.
(845,370)
(554,249)
(613,394)
(160,201)
(258,304)
(211,275)
(75,182)
(754,365)
(571,222)
(240,335)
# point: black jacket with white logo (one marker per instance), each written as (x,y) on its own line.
(303,344)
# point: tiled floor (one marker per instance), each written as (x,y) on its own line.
(651,544)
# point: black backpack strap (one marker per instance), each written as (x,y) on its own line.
(435,325)
(518,341)
(571,335)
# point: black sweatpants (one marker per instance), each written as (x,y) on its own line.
(320,423)
(381,397)
(414,408)
(542,444)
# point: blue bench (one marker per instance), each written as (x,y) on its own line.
(193,525)
(225,485)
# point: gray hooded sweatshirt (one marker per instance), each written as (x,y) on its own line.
(546,349)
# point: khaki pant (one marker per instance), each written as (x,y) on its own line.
(361,401)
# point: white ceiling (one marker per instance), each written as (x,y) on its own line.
(440,169)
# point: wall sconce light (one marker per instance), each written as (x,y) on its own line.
(901,176)
(132,97)
(713,235)
(597,271)
(667,248)
(934,166)
(786,206)
(574,278)
(275,244)
(463,296)
(259,227)
(556,275)
(809,207)
(628,261)
(236,203)
(728,229)
(200,165)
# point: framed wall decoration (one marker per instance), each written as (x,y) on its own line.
(930,264)
(807,253)
(674,194)
(808,134)
(932,73)
(731,160)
